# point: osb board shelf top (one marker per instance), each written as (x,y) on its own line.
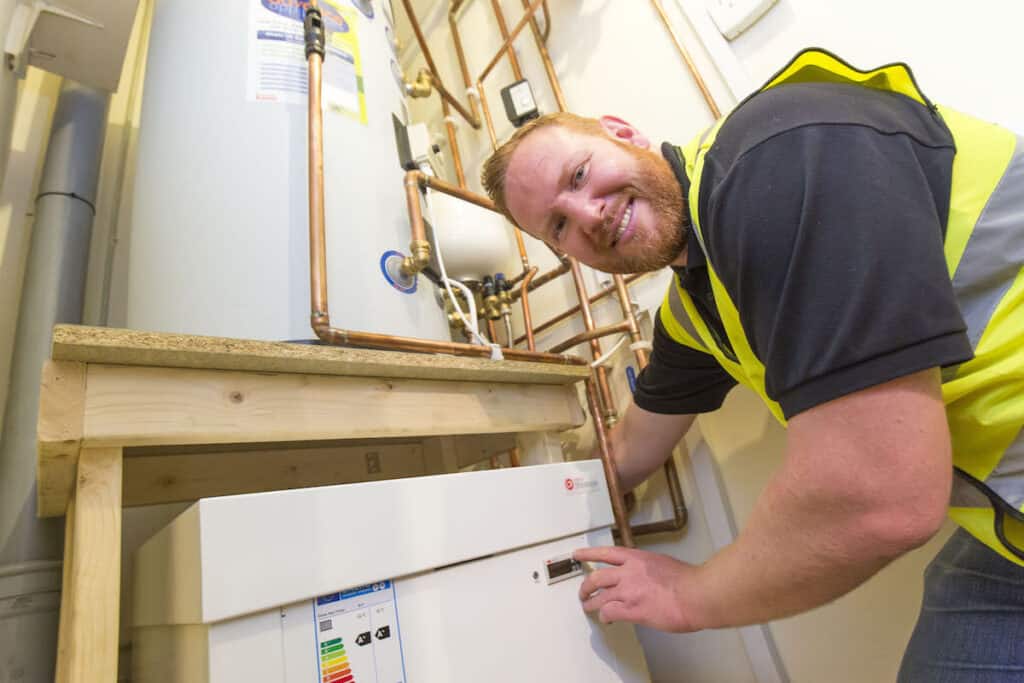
(114,346)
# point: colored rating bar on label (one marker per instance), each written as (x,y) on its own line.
(334,664)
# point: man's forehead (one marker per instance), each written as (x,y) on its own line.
(545,149)
(534,169)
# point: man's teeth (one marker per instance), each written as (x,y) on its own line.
(625,222)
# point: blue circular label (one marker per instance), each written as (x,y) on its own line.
(391,268)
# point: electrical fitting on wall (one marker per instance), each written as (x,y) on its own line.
(733,17)
(520,105)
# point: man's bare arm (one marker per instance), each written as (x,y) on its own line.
(866,478)
(642,441)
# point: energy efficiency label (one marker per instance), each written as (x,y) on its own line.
(357,636)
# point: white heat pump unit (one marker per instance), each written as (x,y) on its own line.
(459,578)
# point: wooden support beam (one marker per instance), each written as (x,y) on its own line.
(179,477)
(89,615)
(158,349)
(137,406)
(61,411)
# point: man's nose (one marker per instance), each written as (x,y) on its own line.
(589,213)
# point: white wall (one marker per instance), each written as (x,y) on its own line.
(965,55)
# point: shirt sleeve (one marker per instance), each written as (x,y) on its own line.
(829,239)
(679,380)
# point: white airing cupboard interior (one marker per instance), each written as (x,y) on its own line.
(162,184)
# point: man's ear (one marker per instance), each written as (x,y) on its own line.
(620,130)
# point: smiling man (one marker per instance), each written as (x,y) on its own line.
(852,253)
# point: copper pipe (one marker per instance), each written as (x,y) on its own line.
(600,372)
(544,278)
(547,23)
(672,477)
(675,490)
(595,333)
(320,318)
(471,119)
(513,457)
(467,81)
(465,195)
(317,221)
(453,145)
(549,67)
(513,61)
(412,200)
(492,333)
(511,37)
(627,312)
(527,317)
(487,115)
(689,61)
(450,99)
(611,475)
(371,340)
(520,244)
(576,309)
(419,247)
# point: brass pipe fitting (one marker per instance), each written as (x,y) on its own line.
(420,258)
(423,86)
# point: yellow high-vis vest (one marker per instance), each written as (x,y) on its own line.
(984,248)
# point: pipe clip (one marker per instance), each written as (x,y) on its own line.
(313,24)
(642,344)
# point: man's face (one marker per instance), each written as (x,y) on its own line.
(613,205)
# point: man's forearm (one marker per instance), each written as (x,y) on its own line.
(866,478)
(797,552)
(642,441)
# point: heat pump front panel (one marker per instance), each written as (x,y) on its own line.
(488,620)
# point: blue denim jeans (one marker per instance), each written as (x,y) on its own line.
(971,626)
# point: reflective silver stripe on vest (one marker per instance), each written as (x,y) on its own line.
(995,250)
(990,264)
(675,305)
(1007,479)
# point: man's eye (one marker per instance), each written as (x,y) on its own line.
(579,176)
(559,228)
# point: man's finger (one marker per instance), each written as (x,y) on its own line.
(613,612)
(607,554)
(597,580)
(599,600)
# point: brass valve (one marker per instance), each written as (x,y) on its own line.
(423,86)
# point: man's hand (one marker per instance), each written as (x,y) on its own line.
(639,587)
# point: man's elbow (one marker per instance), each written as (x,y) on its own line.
(906,524)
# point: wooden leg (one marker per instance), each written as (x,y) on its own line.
(63,642)
(89,632)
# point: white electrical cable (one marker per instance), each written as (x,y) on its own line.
(611,352)
(472,327)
